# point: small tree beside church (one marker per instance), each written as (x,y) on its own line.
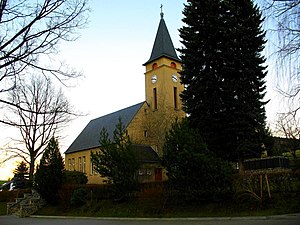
(50,173)
(116,161)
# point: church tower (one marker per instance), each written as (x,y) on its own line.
(162,78)
(163,88)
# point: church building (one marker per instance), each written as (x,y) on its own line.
(146,122)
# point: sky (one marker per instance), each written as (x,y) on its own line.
(110,52)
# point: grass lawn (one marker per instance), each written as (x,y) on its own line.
(2,208)
(2,181)
(158,208)
(2,204)
(155,207)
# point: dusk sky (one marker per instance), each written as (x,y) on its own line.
(110,53)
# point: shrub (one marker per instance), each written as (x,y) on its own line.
(96,192)
(75,177)
(79,197)
(279,182)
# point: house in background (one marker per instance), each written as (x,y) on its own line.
(146,122)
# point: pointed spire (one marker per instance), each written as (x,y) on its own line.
(163,45)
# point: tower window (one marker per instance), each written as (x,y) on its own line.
(145,133)
(154,66)
(173,65)
(175,98)
(154,98)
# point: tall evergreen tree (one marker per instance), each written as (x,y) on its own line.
(50,173)
(224,75)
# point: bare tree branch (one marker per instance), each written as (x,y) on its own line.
(42,112)
(30,30)
(287,126)
(283,23)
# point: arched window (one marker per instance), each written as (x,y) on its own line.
(173,65)
(154,66)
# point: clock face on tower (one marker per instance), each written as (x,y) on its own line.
(153,79)
(174,78)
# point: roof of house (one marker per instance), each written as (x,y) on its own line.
(163,45)
(90,136)
(145,154)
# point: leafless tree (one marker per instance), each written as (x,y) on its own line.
(41,111)
(287,126)
(283,22)
(157,123)
(30,33)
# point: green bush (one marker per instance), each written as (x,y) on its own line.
(75,177)
(279,182)
(96,192)
(79,197)
(295,164)
(102,192)
(283,187)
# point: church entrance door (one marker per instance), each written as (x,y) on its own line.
(158,174)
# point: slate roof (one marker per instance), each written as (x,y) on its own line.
(89,137)
(145,154)
(163,45)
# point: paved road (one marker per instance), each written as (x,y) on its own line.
(293,219)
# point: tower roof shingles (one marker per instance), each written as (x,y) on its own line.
(163,45)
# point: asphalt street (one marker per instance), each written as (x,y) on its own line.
(291,219)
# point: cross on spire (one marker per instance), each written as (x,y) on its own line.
(161,11)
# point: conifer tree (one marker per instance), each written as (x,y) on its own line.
(224,75)
(21,170)
(21,173)
(116,161)
(50,173)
